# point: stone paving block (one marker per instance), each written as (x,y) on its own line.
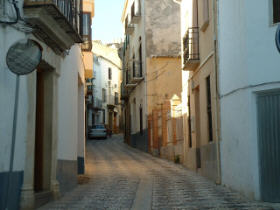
(115,170)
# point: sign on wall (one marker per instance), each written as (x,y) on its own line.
(24,56)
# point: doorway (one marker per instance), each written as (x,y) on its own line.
(43,132)
(268,106)
(197,126)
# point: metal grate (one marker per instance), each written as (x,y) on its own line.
(268,105)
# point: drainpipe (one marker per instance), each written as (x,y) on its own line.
(217,113)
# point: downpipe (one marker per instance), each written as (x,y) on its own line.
(217,113)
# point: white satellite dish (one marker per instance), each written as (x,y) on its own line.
(24,56)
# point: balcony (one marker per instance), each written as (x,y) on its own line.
(111,100)
(89,89)
(124,92)
(136,12)
(87,45)
(89,99)
(129,27)
(97,103)
(191,58)
(57,22)
(129,85)
(137,74)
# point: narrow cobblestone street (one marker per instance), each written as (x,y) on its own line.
(121,177)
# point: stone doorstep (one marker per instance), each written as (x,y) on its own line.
(42,198)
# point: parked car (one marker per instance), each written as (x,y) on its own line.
(98,131)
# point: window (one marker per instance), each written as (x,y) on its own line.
(104,97)
(189,122)
(209,109)
(276,11)
(127,76)
(86,32)
(109,73)
(141,119)
(116,98)
(104,116)
(133,66)
(140,58)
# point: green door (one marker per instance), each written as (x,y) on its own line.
(268,108)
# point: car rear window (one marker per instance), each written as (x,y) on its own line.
(98,127)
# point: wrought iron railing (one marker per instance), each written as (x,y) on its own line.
(90,88)
(124,93)
(97,103)
(191,44)
(127,76)
(71,9)
(137,69)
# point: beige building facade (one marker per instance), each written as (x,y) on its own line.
(151,68)
(199,95)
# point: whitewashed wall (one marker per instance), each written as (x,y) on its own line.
(101,67)
(248,62)
(140,91)
(9,36)
(68,96)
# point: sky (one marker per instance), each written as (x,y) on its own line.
(106,24)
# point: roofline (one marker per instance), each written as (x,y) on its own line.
(124,10)
(110,61)
(178,1)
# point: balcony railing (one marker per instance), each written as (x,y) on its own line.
(57,21)
(89,89)
(128,80)
(124,92)
(89,99)
(111,100)
(97,103)
(137,72)
(191,49)
(129,27)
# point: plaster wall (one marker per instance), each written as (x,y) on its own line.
(194,85)
(101,66)
(160,20)
(246,37)
(162,80)
(88,64)
(68,105)
(138,96)
(67,69)
(9,36)
(136,100)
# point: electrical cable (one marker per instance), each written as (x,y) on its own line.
(17,14)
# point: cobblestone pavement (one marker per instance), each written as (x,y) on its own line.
(121,177)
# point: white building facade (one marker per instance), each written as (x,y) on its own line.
(106,91)
(51,108)
(249,97)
